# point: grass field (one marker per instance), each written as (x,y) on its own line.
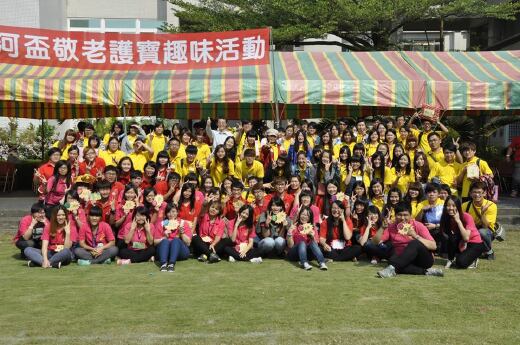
(271,303)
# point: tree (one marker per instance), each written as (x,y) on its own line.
(362,24)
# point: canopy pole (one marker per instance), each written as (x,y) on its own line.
(124,117)
(276,110)
(43,134)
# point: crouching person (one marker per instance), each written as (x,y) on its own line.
(57,240)
(172,238)
(97,243)
(30,229)
(462,238)
(412,244)
(138,237)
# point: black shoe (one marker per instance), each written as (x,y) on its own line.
(56,265)
(171,268)
(31,264)
(490,256)
(213,258)
(164,268)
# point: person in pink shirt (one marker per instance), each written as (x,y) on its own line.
(303,239)
(242,236)
(124,212)
(31,228)
(76,216)
(172,239)
(412,245)
(58,184)
(97,243)
(306,198)
(157,210)
(462,238)
(138,237)
(209,242)
(57,240)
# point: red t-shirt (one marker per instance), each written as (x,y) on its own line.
(243,236)
(58,238)
(229,208)
(299,237)
(287,198)
(335,231)
(399,242)
(206,229)
(103,236)
(92,169)
(138,241)
(24,225)
(160,228)
(186,213)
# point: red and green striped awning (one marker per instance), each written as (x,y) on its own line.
(305,84)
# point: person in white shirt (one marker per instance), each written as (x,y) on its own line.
(220,135)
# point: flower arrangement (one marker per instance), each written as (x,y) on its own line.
(129,206)
(279,218)
(158,200)
(72,205)
(308,229)
(404,228)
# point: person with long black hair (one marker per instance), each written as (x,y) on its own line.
(58,184)
(461,236)
(242,236)
(336,235)
(138,237)
(300,145)
(373,228)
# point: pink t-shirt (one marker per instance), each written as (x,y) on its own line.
(58,238)
(299,237)
(72,221)
(206,229)
(474,236)
(104,234)
(138,241)
(54,197)
(243,236)
(315,212)
(399,242)
(23,226)
(120,213)
(160,228)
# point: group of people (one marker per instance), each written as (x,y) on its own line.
(398,190)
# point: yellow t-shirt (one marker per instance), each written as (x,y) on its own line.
(64,152)
(111,158)
(184,168)
(389,179)
(423,143)
(403,182)
(217,172)
(176,161)
(203,152)
(484,170)
(490,214)
(371,149)
(434,157)
(244,171)
(157,143)
(446,172)
(139,160)
(379,203)
(415,212)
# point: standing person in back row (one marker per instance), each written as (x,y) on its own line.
(218,136)
(472,169)
(514,151)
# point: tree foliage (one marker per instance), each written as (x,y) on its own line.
(362,24)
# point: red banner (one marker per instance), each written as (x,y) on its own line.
(147,51)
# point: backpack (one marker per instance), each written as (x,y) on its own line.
(491,187)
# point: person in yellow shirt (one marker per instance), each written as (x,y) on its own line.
(471,162)
(402,174)
(447,170)
(87,134)
(373,142)
(361,131)
(484,213)
(221,166)
(142,154)
(414,196)
(376,168)
(116,130)
(68,140)
(422,136)
(251,142)
(348,139)
(241,134)
(376,193)
(288,139)
(203,149)
(174,146)
(190,164)
(157,140)
(112,155)
(249,167)
(400,122)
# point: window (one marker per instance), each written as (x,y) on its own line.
(151,24)
(85,23)
(120,23)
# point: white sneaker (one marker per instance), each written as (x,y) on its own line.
(257,260)
(373,261)
(231,259)
(323,267)
(449,263)
(434,272)
(387,272)
(474,264)
(306,266)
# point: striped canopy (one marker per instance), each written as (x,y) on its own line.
(304,84)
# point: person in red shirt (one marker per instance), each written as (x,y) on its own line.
(172,238)
(106,203)
(302,241)
(138,237)
(163,166)
(156,209)
(31,228)
(122,216)
(235,202)
(336,235)
(92,164)
(57,240)
(150,173)
(463,241)
(366,232)
(259,204)
(45,171)
(242,236)
(514,150)
(190,205)
(96,240)
(412,245)
(116,187)
(58,184)
(280,190)
(209,242)
(124,167)
(170,187)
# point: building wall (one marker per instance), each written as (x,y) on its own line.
(53,14)
(20,13)
(149,9)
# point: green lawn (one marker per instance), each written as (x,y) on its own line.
(271,303)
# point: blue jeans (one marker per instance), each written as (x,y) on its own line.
(269,244)
(35,255)
(487,237)
(301,250)
(169,251)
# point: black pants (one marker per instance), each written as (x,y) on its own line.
(415,259)
(200,247)
(466,257)
(137,255)
(345,254)
(252,253)
(381,251)
(22,244)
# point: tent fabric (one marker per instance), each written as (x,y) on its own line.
(305,84)
(469,80)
